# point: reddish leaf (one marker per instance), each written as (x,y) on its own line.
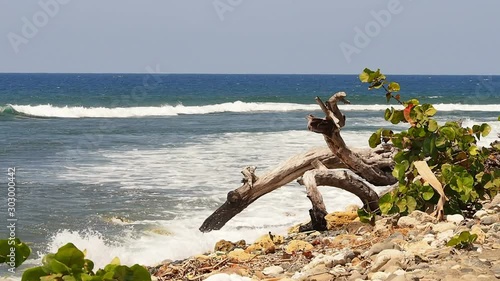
(406,114)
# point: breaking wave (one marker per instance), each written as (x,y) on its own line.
(51,111)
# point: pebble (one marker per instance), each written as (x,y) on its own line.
(422,217)
(380,275)
(443,227)
(481,236)
(479,214)
(389,253)
(456,218)
(273,270)
(379,247)
(407,222)
(488,220)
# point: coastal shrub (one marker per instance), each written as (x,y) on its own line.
(69,264)
(13,252)
(450,150)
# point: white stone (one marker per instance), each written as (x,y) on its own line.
(419,247)
(456,218)
(407,222)
(491,219)
(422,217)
(429,238)
(338,271)
(380,275)
(273,270)
(327,260)
(443,227)
(399,272)
(385,256)
(479,214)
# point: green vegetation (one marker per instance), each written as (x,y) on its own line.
(464,240)
(13,252)
(69,264)
(449,149)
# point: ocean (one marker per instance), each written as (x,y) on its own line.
(130,165)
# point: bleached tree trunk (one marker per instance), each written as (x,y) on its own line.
(354,170)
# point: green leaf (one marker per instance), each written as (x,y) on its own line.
(33,274)
(464,236)
(52,265)
(396,116)
(399,171)
(374,140)
(453,242)
(394,87)
(69,278)
(432,125)
(448,132)
(430,146)
(364,77)
(387,113)
(411,203)
(88,266)
(364,216)
(385,203)
(115,261)
(52,277)
(429,110)
(71,256)
(427,192)
(441,142)
(376,85)
(21,251)
(473,150)
(139,273)
(401,205)
(485,129)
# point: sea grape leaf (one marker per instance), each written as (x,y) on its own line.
(394,87)
(485,129)
(21,250)
(385,203)
(427,192)
(411,203)
(71,256)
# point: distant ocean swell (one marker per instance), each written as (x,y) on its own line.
(173,110)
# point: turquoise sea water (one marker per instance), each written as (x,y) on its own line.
(130,165)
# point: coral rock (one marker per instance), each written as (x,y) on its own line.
(298,245)
(337,219)
(239,255)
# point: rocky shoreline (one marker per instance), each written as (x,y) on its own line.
(393,249)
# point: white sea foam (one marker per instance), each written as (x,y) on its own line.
(237,106)
(218,158)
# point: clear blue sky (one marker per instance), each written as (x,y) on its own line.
(251,36)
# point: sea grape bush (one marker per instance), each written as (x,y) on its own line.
(69,264)
(450,150)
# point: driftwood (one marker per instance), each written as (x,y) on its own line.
(354,170)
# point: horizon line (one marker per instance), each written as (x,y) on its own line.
(220,73)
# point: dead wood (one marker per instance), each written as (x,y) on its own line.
(360,169)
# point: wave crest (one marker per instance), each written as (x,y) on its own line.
(170,110)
